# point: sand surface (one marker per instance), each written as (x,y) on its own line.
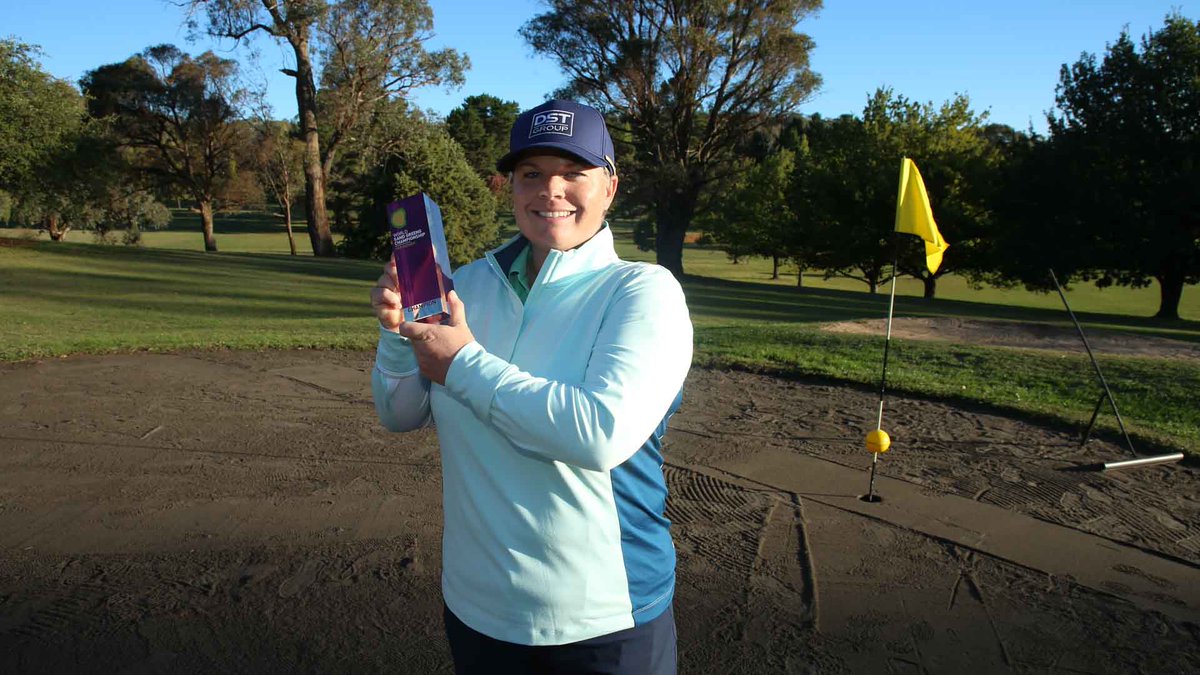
(243,511)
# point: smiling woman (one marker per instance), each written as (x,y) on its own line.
(551,410)
(558,202)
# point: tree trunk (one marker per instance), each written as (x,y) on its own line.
(206,224)
(774,267)
(673,217)
(314,175)
(287,221)
(930,286)
(799,276)
(1170,286)
(668,248)
(56,234)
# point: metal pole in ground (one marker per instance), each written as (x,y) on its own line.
(1143,461)
(1096,365)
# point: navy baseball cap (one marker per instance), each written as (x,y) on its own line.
(571,127)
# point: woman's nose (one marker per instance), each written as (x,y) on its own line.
(553,187)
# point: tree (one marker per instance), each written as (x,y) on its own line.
(841,198)
(848,197)
(481,126)
(686,83)
(1127,137)
(959,165)
(407,155)
(175,114)
(41,121)
(365,50)
(754,217)
(279,163)
(89,185)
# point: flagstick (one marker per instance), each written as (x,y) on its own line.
(887,342)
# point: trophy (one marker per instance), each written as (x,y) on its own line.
(422,264)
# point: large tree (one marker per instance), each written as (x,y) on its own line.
(364,51)
(848,196)
(1127,139)
(845,185)
(42,120)
(686,81)
(481,126)
(176,114)
(406,154)
(754,216)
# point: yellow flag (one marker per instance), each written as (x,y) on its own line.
(914,216)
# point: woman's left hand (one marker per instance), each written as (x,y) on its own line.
(435,345)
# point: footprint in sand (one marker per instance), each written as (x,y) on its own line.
(305,577)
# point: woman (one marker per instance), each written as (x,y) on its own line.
(550,406)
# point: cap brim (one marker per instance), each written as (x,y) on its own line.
(506,163)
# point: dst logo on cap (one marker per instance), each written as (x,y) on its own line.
(552,122)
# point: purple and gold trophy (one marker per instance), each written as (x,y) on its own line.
(422,264)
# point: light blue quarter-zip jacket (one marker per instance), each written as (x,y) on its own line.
(551,427)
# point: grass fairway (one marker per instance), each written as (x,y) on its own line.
(65,298)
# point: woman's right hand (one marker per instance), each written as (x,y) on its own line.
(385,298)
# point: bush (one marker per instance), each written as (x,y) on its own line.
(425,159)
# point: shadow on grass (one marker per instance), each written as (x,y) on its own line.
(712,301)
(238,264)
(242,222)
(718,299)
(181,300)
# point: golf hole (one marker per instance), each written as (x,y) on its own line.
(871,499)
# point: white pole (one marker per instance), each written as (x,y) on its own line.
(887,341)
(1143,461)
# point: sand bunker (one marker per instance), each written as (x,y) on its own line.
(244,512)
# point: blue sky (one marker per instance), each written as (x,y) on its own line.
(1005,56)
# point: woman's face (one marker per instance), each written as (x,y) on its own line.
(558,202)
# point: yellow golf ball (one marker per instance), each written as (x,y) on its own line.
(878,441)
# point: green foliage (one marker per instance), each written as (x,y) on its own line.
(369,52)
(755,216)
(1124,145)
(422,157)
(45,163)
(692,81)
(132,211)
(173,115)
(39,114)
(175,112)
(278,161)
(847,196)
(481,126)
